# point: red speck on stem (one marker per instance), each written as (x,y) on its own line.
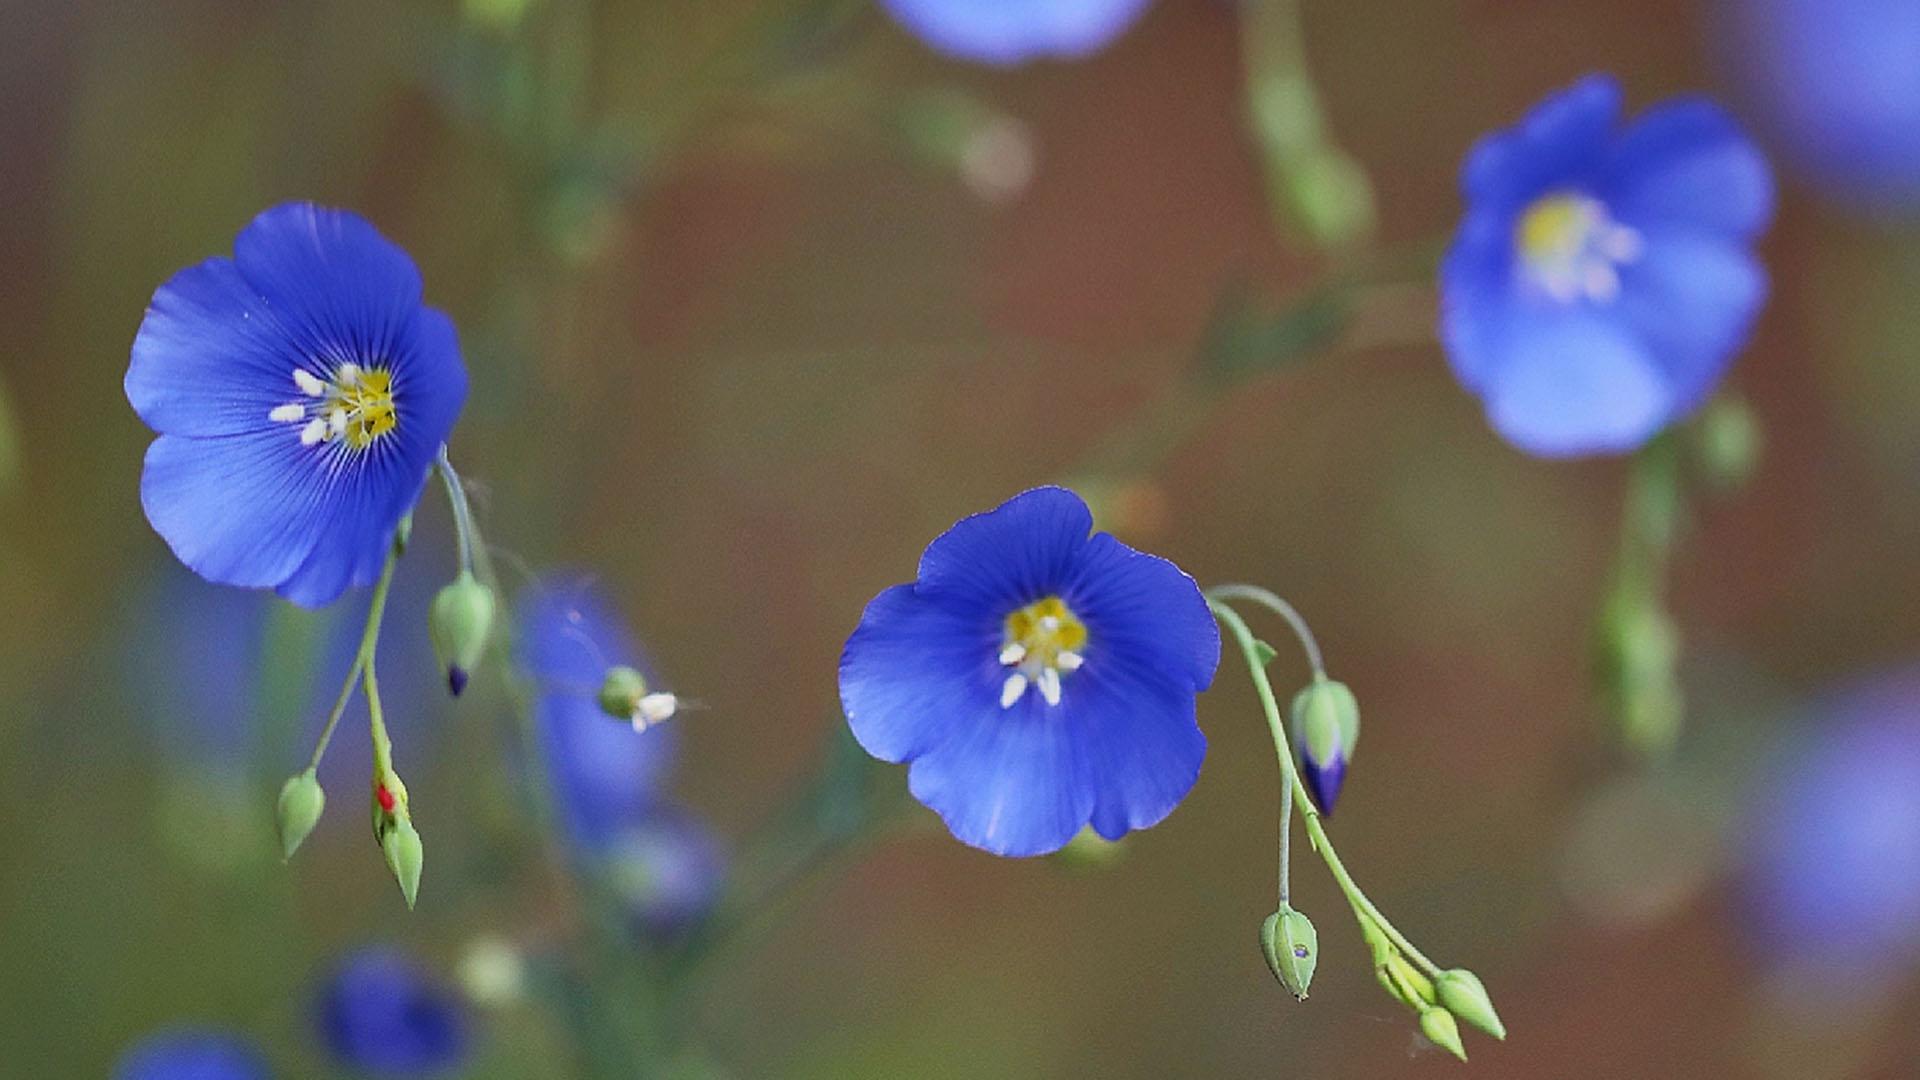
(381,793)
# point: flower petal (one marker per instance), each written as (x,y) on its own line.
(1558,139)
(1145,610)
(1141,743)
(1573,384)
(1008,781)
(1010,31)
(1476,280)
(1686,164)
(344,290)
(907,668)
(238,510)
(1011,555)
(211,357)
(1692,300)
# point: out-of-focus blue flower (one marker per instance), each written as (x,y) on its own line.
(1036,677)
(300,392)
(1014,31)
(1836,85)
(604,775)
(1831,874)
(191,1054)
(667,868)
(1603,277)
(382,1014)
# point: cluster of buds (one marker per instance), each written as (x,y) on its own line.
(393,830)
(624,695)
(1442,1000)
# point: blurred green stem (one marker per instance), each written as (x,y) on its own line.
(1250,647)
(362,661)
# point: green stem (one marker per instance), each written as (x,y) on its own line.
(369,642)
(1316,831)
(362,660)
(465,535)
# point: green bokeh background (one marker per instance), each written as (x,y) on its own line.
(743,336)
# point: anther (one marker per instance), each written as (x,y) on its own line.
(1012,689)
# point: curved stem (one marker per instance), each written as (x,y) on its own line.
(1272,602)
(1316,831)
(465,534)
(369,642)
(362,659)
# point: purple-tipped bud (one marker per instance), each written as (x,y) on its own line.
(1323,779)
(456,679)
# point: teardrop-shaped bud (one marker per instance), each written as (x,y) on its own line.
(401,845)
(1440,1029)
(1326,724)
(301,802)
(1461,993)
(459,623)
(1292,948)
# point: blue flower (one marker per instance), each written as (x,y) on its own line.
(381,1014)
(300,392)
(1831,873)
(1602,280)
(1013,31)
(1836,85)
(666,867)
(1036,678)
(603,774)
(191,1054)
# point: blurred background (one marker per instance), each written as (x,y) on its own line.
(757,297)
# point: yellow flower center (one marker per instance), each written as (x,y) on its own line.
(1571,248)
(368,402)
(354,406)
(1043,641)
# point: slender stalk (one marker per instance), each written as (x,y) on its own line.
(369,642)
(362,659)
(1275,604)
(1316,831)
(465,535)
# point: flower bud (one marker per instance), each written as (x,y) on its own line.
(401,845)
(1406,983)
(301,801)
(1292,948)
(1440,1029)
(461,618)
(1326,723)
(1460,992)
(1729,443)
(621,692)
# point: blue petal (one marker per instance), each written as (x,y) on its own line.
(1573,383)
(191,1054)
(1692,301)
(667,869)
(1142,746)
(1009,556)
(906,667)
(1686,164)
(1476,283)
(1147,611)
(1011,31)
(212,356)
(332,277)
(1008,781)
(381,1013)
(1556,143)
(238,510)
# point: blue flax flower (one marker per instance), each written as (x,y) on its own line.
(603,774)
(300,392)
(1602,279)
(191,1054)
(383,1015)
(1836,85)
(1831,872)
(1014,31)
(1036,677)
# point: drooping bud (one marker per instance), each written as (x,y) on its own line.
(301,802)
(462,617)
(401,846)
(1292,948)
(1326,723)
(1440,1029)
(1460,992)
(621,692)
(1729,443)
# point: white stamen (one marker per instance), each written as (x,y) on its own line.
(1050,685)
(347,374)
(1068,660)
(1050,623)
(291,411)
(1013,653)
(315,430)
(308,383)
(1622,243)
(1601,282)
(337,420)
(1011,690)
(655,708)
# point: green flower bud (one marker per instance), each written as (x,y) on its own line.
(1460,993)
(1440,1029)
(301,801)
(461,618)
(401,845)
(1326,724)
(1408,984)
(621,691)
(1729,443)
(1292,948)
